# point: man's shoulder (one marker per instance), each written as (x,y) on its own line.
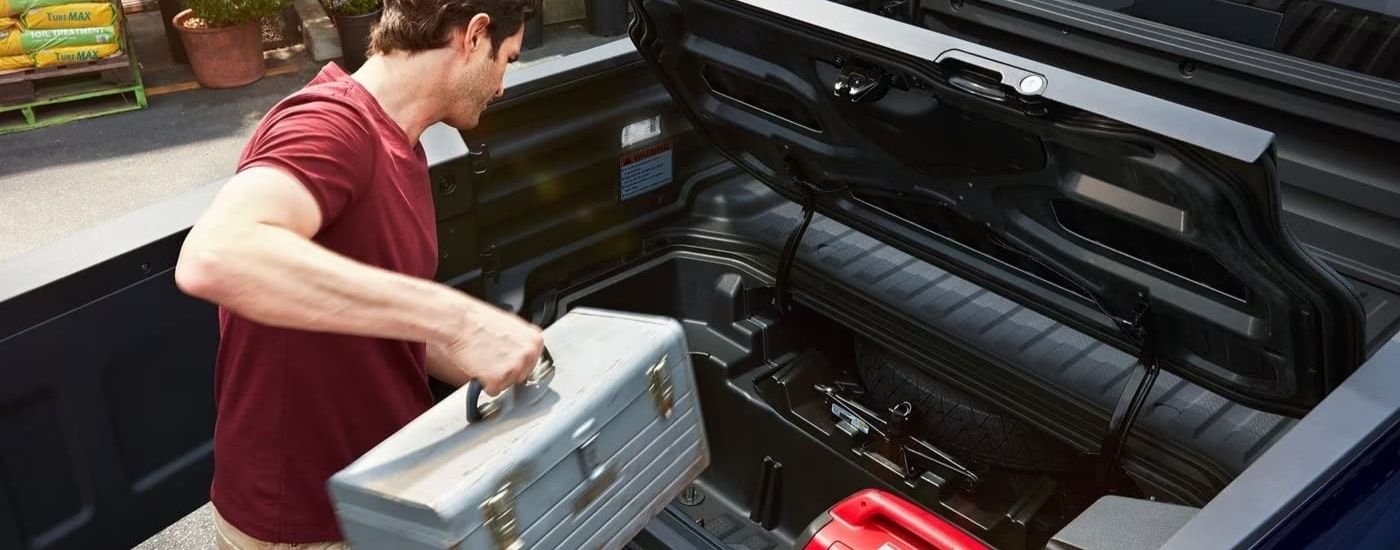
(330,82)
(330,96)
(317,112)
(324,117)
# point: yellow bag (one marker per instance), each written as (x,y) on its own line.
(7,23)
(17,7)
(73,54)
(33,40)
(12,62)
(11,43)
(70,16)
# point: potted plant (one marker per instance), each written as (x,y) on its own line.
(354,20)
(224,39)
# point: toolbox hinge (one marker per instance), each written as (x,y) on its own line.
(498,513)
(662,391)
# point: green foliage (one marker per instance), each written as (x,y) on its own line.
(350,7)
(228,13)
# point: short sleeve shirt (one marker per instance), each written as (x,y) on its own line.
(294,407)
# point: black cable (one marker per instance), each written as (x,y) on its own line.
(809,207)
(1136,326)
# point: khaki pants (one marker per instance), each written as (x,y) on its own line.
(230,538)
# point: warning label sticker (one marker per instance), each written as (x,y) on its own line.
(645,170)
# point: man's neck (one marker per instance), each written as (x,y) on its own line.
(404,91)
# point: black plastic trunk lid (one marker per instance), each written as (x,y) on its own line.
(1152,226)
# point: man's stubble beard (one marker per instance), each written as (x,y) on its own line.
(469,103)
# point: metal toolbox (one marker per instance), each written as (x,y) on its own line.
(581,457)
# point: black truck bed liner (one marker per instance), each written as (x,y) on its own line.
(1227,434)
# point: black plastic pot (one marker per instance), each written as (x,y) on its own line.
(606,17)
(534,33)
(168,10)
(354,31)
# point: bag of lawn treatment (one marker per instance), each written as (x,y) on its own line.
(73,54)
(70,16)
(17,42)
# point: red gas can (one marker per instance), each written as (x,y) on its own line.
(876,520)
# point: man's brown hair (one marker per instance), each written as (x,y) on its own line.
(418,25)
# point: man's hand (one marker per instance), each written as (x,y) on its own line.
(496,348)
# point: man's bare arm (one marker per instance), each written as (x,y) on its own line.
(440,367)
(251,253)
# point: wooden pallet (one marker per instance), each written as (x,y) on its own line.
(21,84)
(68,100)
(48,96)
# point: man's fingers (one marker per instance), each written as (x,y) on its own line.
(531,363)
(512,377)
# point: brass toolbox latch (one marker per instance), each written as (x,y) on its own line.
(498,513)
(662,393)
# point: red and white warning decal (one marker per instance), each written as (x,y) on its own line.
(645,170)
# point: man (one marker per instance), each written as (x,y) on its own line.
(320,253)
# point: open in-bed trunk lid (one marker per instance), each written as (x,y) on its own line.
(1147,224)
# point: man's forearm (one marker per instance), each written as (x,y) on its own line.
(275,277)
(440,367)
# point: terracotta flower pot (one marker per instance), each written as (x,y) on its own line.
(226,57)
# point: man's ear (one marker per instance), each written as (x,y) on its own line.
(478,32)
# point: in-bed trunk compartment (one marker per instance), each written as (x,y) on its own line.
(781,453)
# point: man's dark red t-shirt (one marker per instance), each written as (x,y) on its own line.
(294,407)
